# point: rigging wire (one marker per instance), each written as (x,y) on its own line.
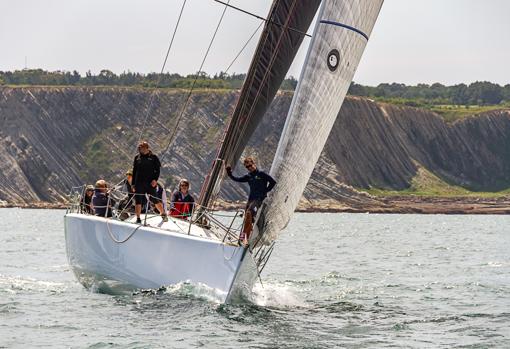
(188,97)
(262,18)
(165,61)
(243,125)
(151,101)
(217,182)
(238,132)
(242,49)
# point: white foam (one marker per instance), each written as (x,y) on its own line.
(276,295)
(269,295)
(18,283)
(197,290)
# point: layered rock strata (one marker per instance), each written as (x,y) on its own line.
(52,139)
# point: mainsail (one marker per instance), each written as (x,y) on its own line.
(340,36)
(279,42)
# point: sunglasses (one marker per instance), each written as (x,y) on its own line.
(184,185)
(249,165)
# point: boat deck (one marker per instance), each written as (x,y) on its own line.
(175,225)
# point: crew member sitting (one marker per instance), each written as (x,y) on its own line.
(86,200)
(126,205)
(182,202)
(101,201)
(260,184)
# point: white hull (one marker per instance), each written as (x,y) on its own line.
(161,255)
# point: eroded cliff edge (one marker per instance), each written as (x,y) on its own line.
(54,138)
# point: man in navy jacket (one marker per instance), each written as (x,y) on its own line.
(260,184)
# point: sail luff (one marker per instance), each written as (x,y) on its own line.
(275,52)
(338,42)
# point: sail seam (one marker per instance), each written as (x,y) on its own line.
(272,59)
(345,26)
(240,121)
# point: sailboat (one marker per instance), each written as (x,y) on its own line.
(204,250)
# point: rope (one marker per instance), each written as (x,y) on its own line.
(229,232)
(151,101)
(188,97)
(114,239)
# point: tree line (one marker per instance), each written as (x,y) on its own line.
(477,93)
(108,78)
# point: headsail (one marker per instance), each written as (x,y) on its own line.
(283,33)
(339,39)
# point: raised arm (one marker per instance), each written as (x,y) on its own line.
(244,178)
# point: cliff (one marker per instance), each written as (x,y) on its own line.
(53,138)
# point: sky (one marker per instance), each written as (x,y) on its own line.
(413,41)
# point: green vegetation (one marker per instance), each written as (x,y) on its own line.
(452,113)
(449,112)
(423,95)
(426,183)
(451,102)
(480,93)
(30,77)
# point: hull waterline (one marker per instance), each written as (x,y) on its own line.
(114,255)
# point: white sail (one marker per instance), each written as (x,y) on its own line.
(340,36)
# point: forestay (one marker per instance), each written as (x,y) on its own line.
(285,28)
(339,39)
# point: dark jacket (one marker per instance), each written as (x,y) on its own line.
(145,169)
(85,203)
(127,201)
(129,189)
(100,204)
(260,183)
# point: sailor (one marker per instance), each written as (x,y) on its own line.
(182,202)
(128,182)
(260,184)
(101,201)
(86,200)
(127,203)
(146,168)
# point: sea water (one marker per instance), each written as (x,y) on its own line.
(334,280)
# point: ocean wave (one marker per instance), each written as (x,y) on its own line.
(13,284)
(196,290)
(276,295)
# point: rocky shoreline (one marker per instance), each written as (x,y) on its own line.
(395,204)
(407,204)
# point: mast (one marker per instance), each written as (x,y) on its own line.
(340,36)
(285,28)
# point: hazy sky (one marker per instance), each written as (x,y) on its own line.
(414,41)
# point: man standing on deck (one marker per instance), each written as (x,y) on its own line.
(260,184)
(146,168)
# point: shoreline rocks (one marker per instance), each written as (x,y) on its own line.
(388,205)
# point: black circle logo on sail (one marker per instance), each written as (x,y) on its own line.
(333,59)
